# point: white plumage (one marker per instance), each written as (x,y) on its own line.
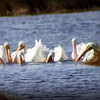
(5,53)
(31,55)
(59,54)
(92,54)
(78,49)
(35,54)
(56,55)
(22,48)
(2,53)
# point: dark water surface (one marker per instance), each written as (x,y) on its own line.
(51,81)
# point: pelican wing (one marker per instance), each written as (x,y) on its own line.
(59,54)
(80,48)
(2,53)
(35,54)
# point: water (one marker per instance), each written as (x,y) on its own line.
(51,81)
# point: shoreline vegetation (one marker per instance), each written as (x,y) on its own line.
(4,96)
(33,7)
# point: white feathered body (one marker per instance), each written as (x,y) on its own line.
(36,54)
(80,48)
(2,53)
(59,54)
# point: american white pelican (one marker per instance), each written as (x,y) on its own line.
(56,55)
(5,53)
(77,49)
(2,55)
(94,57)
(35,54)
(8,52)
(21,46)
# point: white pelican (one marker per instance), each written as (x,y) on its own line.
(77,49)
(8,52)
(21,46)
(35,54)
(56,55)
(5,53)
(2,55)
(94,57)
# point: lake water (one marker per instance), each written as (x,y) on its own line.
(51,81)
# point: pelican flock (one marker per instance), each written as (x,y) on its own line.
(30,55)
(5,53)
(89,53)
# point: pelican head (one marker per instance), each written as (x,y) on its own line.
(50,56)
(21,45)
(20,57)
(88,47)
(73,41)
(6,45)
(8,53)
